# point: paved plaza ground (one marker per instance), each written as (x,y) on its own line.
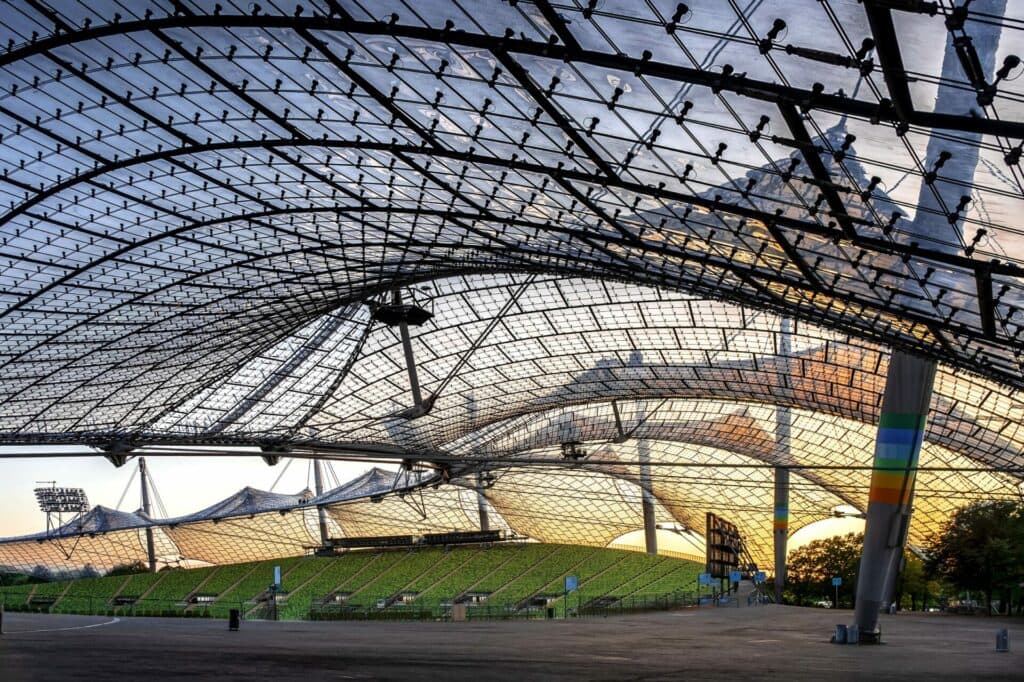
(769,642)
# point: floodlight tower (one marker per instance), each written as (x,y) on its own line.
(56,502)
(147,511)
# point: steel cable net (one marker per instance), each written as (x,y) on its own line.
(736,206)
(731,359)
(693,387)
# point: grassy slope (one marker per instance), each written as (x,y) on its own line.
(511,573)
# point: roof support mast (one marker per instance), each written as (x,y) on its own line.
(908,390)
(410,359)
(481,502)
(147,512)
(783,424)
(318,487)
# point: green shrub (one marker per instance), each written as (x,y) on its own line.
(334,572)
(510,572)
(402,572)
(177,584)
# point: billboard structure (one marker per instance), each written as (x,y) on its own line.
(724,550)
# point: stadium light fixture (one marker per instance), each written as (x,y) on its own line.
(62,500)
(55,502)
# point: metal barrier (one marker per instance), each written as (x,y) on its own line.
(577,605)
(104,606)
(599,607)
(639,603)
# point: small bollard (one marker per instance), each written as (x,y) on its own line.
(1,618)
(1003,640)
(840,635)
(853,634)
(234,619)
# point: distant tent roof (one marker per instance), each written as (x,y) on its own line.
(376,481)
(99,519)
(243,503)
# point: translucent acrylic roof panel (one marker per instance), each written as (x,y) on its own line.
(711,456)
(704,212)
(77,548)
(247,538)
(569,506)
(426,511)
(186,188)
(502,348)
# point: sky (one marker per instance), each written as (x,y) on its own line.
(185,484)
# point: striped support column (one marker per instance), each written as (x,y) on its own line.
(897,448)
(780,528)
(901,427)
(783,426)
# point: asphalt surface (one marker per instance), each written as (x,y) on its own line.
(767,642)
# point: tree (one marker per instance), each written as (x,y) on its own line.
(128,569)
(42,573)
(981,547)
(812,567)
(914,583)
(7,579)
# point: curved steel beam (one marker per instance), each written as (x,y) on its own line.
(971,453)
(625,271)
(738,84)
(875,244)
(808,474)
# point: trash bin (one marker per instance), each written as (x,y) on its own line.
(234,618)
(1003,640)
(840,636)
(551,612)
(853,634)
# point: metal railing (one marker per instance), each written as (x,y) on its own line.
(104,606)
(575,605)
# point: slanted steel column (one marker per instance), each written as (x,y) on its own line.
(901,425)
(147,510)
(780,528)
(318,487)
(647,498)
(481,502)
(956,172)
(909,381)
(783,422)
(410,360)
(643,454)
